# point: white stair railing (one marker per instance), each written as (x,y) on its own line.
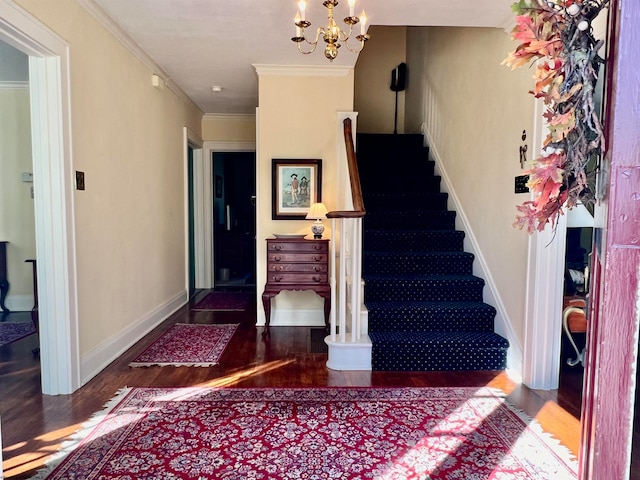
(348,340)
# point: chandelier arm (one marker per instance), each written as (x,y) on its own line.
(344,36)
(313,49)
(362,39)
(319,31)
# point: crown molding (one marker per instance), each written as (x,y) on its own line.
(112,27)
(229,116)
(14,85)
(302,70)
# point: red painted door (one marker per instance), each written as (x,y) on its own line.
(608,401)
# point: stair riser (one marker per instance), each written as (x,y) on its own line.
(394,264)
(430,184)
(405,202)
(416,220)
(398,357)
(415,292)
(421,322)
(390,241)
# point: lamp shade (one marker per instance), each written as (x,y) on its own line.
(317,211)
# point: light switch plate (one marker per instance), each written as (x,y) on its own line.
(521,184)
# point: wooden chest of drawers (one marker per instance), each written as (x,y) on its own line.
(297,264)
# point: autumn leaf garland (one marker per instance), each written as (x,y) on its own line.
(557,35)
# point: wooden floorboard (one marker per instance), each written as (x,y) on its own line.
(34,426)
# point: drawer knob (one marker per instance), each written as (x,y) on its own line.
(317,269)
(277,247)
(277,259)
(317,247)
(277,279)
(317,259)
(317,279)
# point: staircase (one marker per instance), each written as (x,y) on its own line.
(426,309)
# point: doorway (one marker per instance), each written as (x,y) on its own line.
(49,87)
(234,218)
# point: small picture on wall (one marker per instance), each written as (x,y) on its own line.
(296,184)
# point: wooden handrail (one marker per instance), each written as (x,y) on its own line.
(354,176)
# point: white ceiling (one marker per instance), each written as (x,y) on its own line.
(200,43)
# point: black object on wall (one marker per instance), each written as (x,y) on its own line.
(399,78)
(398,84)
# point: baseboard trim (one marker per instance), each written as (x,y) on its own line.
(297,317)
(503,325)
(19,303)
(94,361)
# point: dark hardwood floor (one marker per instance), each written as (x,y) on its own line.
(34,426)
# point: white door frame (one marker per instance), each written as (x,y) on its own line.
(545,287)
(193,140)
(49,84)
(204,204)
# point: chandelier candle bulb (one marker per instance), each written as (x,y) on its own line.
(352,6)
(302,5)
(363,23)
(297,20)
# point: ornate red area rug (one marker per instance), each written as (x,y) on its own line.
(313,433)
(224,301)
(186,344)
(12,331)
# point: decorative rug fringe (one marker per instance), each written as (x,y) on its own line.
(76,438)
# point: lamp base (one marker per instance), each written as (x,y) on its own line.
(317,229)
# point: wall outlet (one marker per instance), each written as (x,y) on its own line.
(79,180)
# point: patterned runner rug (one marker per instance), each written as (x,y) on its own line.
(12,331)
(312,433)
(192,345)
(224,301)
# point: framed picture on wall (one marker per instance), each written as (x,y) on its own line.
(296,184)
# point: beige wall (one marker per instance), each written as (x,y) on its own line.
(128,139)
(474,112)
(229,128)
(296,121)
(17,222)
(374,100)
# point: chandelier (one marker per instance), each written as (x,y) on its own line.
(332,34)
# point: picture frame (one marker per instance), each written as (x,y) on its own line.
(296,185)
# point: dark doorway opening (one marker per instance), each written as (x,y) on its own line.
(234,216)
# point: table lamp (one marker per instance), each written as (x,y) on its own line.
(317,212)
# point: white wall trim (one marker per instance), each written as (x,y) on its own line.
(50,90)
(296,317)
(481,269)
(545,287)
(193,140)
(302,70)
(97,359)
(114,29)
(19,303)
(229,116)
(14,85)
